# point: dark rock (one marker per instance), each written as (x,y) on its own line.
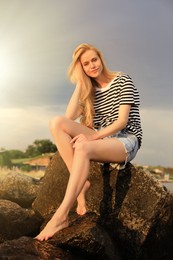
(26,248)
(137,208)
(159,242)
(16,221)
(86,237)
(130,203)
(19,188)
(52,190)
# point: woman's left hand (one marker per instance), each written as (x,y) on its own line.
(81,138)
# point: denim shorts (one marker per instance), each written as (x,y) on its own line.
(130,143)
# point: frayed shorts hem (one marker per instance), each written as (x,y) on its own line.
(131,146)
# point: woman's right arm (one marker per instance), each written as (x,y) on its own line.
(73,110)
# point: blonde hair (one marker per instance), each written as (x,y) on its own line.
(76,73)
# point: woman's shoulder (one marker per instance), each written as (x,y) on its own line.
(120,77)
(123,75)
(124,78)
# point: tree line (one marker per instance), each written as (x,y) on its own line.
(38,147)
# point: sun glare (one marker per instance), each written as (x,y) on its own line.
(5,67)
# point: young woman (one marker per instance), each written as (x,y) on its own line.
(110,131)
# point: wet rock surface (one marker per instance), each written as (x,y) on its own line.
(130,216)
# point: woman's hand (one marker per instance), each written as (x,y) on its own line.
(81,137)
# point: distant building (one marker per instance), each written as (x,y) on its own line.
(39,163)
(158,171)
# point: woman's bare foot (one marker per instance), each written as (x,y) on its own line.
(52,227)
(81,207)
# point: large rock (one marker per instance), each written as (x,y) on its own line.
(136,205)
(87,238)
(53,187)
(26,248)
(130,203)
(19,188)
(16,221)
(159,242)
(84,239)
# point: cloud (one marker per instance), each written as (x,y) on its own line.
(157,142)
(38,38)
(20,127)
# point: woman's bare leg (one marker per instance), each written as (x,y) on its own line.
(81,200)
(63,130)
(77,179)
(108,150)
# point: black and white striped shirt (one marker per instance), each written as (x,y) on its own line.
(108,99)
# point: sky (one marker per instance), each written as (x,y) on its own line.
(37,39)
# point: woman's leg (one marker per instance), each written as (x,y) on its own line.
(63,130)
(107,150)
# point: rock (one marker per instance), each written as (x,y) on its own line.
(52,189)
(159,242)
(86,237)
(26,248)
(136,206)
(19,188)
(129,204)
(16,221)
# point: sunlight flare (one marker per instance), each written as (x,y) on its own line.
(5,66)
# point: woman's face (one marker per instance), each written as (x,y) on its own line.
(91,64)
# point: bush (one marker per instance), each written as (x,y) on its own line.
(5,160)
(26,168)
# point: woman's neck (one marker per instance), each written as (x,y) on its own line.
(103,81)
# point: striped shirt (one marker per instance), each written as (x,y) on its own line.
(108,99)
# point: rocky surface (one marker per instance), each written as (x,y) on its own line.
(130,217)
(54,186)
(16,221)
(19,188)
(26,248)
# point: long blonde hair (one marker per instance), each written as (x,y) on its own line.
(77,73)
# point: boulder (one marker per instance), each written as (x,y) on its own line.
(52,189)
(136,205)
(29,249)
(16,221)
(131,205)
(159,242)
(19,188)
(86,238)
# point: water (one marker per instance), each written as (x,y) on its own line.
(168,185)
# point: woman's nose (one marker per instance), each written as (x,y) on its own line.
(92,65)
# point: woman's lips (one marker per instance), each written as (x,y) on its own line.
(95,70)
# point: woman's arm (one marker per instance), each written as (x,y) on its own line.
(116,126)
(73,110)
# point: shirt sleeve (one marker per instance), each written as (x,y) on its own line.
(128,93)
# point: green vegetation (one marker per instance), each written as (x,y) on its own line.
(40,147)
(5,160)
(9,158)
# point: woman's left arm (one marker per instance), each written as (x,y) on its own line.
(117,125)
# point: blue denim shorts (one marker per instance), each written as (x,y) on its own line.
(130,143)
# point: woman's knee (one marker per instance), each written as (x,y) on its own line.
(82,148)
(56,123)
